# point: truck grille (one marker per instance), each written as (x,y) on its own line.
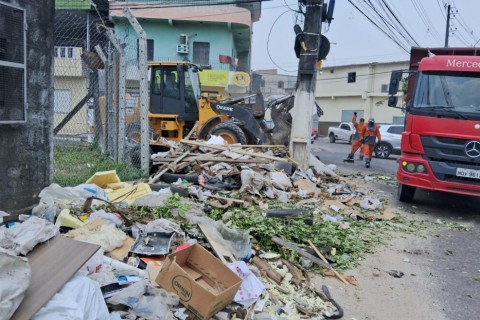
(445,155)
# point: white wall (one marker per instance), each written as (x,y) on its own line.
(334,93)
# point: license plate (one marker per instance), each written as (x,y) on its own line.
(468,173)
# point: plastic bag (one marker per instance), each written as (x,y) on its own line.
(146,301)
(99,232)
(237,240)
(14,279)
(79,299)
(371,203)
(107,216)
(320,167)
(23,237)
(54,198)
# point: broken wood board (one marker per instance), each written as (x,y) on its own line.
(53,263)
(237,150)
(177,160)
(338,275)
(300,251)
(220,249)
(266,269)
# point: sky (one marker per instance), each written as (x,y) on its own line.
(354,39)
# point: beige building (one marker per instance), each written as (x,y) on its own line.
(270,82)
(71,87)
(342,90)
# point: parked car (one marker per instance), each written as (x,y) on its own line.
(344,131)
(391,138)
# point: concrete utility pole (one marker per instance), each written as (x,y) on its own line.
(305,93)
(143,70)
(447,31)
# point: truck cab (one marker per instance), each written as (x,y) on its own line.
(441,143)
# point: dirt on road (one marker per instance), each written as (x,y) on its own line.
(439,266)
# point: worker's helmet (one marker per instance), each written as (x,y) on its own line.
(371,123)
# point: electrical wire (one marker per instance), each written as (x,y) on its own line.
(268,42)
(385,4)
(378,27)
(143,6)
(389,24)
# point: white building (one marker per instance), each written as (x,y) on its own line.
(342,90)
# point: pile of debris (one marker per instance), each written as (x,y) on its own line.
(121,250)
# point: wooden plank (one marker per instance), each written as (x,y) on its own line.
(302,252)
(192,131)
(220,249)
(339,276)
(53,263)
(211,159)
(265,268)
(177,160)
(226,148)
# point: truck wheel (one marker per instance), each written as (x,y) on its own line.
(383,150)
(230,132)
(331,138)
(405,193)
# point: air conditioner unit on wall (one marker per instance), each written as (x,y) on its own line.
(182,48)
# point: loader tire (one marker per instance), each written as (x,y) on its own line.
(230,132)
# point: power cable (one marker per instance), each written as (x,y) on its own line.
(143,6)
(385,4)
(268,42)
(390,23)
(376,25)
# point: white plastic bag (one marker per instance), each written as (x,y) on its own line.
(146,301)
(79,299)
(14,280)
(23,237)
(371,203)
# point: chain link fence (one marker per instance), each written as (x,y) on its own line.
(96,88)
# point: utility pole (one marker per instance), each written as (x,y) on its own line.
(300,144)
(447,31)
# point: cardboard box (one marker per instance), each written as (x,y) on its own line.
(204,284)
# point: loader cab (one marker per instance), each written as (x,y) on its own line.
(174,90)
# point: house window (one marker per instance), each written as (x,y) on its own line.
(64,52)
(281,84)
(150,50)
(384,88)
(12,64)
(352,77)
(201,53)
(61,101)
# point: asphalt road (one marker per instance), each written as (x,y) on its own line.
(453,260)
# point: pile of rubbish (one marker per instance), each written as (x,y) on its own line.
(96,251)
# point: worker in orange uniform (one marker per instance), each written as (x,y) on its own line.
(356,139)
(370,134)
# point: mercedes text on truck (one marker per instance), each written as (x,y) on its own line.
(440,148)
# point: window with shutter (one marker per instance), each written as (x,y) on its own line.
(12,64)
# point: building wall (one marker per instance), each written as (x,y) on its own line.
(166,38)
(26,150)
(337,97)
(77,90)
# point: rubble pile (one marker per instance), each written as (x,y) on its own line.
(219,231)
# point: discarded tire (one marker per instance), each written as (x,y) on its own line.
(173,177)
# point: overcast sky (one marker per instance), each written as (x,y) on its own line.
(355,39)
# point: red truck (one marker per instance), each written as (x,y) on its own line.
(441,142)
